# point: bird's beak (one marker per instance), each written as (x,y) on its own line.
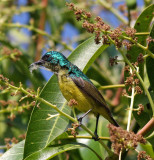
(36,65)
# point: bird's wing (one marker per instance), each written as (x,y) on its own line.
(89,89)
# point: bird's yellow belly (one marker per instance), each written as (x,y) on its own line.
(71,91)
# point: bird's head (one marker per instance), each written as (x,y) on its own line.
(52,61)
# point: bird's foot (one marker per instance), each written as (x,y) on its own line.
(80,120)
(96,138)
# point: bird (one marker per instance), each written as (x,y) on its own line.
(75,85)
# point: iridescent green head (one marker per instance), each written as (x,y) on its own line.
(55,61)
(52,61)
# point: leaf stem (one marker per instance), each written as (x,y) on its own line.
(131,105)
(4,57)
(147,127)
(87,137)
(112,86)
(73,110)
(133,41)
(120,154)
(142,33)
(145,56)
(139,45)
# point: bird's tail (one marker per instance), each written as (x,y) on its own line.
(113,121)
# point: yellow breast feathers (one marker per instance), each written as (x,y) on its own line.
(71,91)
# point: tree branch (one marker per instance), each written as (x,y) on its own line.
(148,127)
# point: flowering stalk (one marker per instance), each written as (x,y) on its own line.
(5,81)
(138,76)
(36,97)
(12,54)
(112,86)
(131,105)
(104,33)
(141,81)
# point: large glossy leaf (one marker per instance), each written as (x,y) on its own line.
(42,132)
(146,147)
(142,25)
(101,77)
(150,138)
(15,153)
(146,115)
(54,150)
(150,61)
(102,131)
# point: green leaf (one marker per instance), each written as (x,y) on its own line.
(150,138)
(54,150)
(146,113)
(150,61)
(142,25)
(146,147)
(102,131)
(42,132)
(14,153)
(64,139)
(101,77)
(143,22)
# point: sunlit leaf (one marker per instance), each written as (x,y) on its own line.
(54,150)
(142,25)
(150,61)
(15,153)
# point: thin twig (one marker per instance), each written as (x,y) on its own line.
(131,105)
(149,126)
(133,41)
(112,86)
(87,137)
(142,33)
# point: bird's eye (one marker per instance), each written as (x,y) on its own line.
(45,57)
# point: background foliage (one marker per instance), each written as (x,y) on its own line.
(28,29)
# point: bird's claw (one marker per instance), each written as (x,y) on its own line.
(96,138)
(80,121)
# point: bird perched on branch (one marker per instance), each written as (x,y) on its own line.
(75,85)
